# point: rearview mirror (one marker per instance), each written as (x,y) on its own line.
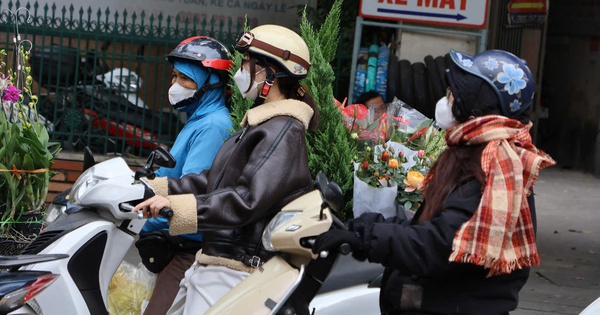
(159,157)
(163,158)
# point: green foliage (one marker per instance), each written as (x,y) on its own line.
(330,147)
(239,105)
(329,32)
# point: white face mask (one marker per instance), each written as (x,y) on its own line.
(443,114)
(242,80)
(178,93)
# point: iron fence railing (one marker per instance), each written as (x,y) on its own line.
(71,51)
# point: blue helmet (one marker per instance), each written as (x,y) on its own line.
(507,74)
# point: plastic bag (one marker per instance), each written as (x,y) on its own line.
(130,289)
(406,118)
(373,199)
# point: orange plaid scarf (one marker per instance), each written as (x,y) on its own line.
(500,235)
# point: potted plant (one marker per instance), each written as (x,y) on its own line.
(26,152)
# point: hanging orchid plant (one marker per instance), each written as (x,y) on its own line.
(26,153)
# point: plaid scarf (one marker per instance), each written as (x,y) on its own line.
(500,235)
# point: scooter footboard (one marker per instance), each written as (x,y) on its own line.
(261,292)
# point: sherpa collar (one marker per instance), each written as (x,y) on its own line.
(288,107)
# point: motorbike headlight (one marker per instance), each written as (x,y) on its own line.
(53,212)
(280,219)
(81,186)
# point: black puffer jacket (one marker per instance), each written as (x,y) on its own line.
(418,275)
(256,172)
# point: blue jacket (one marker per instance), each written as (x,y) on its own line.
(208,126)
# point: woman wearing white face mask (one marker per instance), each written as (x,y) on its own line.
(443,111)
(200,76)
(469,247)
(256,172)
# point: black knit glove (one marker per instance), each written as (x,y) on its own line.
(334,238)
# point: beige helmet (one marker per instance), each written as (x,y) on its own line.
(280,44)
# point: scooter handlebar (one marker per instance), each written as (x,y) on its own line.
(344,249)
(166,213)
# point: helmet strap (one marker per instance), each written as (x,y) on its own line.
(199,92)
(264,92)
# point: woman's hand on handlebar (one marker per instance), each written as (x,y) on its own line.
(152,206)
(333,239)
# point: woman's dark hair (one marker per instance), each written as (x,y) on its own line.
(455,165)
(289,86)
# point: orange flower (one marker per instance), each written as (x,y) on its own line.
(393,163)
(413,181)
(385,156)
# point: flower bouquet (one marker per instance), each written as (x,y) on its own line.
(376,180)
(391,172)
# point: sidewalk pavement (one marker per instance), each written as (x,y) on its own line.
(568,239)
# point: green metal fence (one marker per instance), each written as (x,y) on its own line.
(73,47)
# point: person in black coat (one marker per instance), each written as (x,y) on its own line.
(470,246)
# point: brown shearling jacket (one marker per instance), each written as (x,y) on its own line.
(257,171)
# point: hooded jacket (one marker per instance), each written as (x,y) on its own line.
(256,172)
(208,125)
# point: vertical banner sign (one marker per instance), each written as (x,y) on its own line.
(465,13)
(527,12)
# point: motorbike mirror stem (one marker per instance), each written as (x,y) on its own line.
(146,171)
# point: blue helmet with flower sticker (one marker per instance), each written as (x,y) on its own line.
(507,74)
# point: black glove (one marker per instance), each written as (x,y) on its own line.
(334,238)
(364,222)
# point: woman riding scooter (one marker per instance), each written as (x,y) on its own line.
(255,173)
(469,247)
(198,89)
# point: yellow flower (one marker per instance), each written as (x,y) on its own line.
(414,180)
(393,163)
(354,135)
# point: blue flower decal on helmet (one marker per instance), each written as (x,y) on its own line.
(491,64)
(515,106)
(465,62)
(512,78)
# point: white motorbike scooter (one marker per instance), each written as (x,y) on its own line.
(97,229)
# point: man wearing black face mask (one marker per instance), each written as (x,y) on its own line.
(200,76)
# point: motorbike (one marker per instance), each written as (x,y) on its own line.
(94,224)
(18,287)
(289,283)
(88,104)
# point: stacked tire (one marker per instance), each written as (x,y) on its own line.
(418,84)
